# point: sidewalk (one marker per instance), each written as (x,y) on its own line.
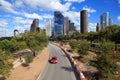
(33,70)
(18,62)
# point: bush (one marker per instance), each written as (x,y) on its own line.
(29,58)
(73,43)
(105,47)
(83,47)
(21,45)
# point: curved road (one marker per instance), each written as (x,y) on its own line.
(60,71)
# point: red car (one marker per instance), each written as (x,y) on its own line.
(54,60)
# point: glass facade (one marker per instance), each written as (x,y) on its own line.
(58,23)
(104,20)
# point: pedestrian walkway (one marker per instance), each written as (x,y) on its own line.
(18,62)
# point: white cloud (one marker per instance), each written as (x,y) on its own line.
(92,26)
(47,16)
(7,7)
(32,16)
(79,1)
(6,32)
(73,8)
(22,21)
(119,1)
(19,4)
(54,5)
(47,4)
(3,23)
(73,16)
(42,26)
(18,27)
(118,18)
(91,10)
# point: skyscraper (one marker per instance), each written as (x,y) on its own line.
(58,23)
(71,28)
(48,28)
(84,21)
(66,25)
(97,27)
(34,25)
(110,21)
(104,20)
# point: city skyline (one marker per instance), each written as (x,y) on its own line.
(19,14)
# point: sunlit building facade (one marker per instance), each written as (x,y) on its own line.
(58,23)
(104,22)
(48,28)
(66,26)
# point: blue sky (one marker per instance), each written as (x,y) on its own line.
(19,14)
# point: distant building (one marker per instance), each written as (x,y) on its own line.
(34,25)
(16,32)
(58,23)
(104,20)
(97,27)
(84,21)
(66,25)
(48,28)
(110,21)
(71,28)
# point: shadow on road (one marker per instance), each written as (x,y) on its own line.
(64,55)
(67,68)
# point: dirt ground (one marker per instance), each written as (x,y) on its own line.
(83,65)
(33,70)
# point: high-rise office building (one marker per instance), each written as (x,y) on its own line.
(58,23)
(84,21)
(34,25)
(104,20)
(97,27)
(110,21)
(48,28)
(66,25)
(71,28)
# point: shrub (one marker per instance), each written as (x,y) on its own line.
(73,43)
(29,58)
(105,47)
(5,65)
(83,47)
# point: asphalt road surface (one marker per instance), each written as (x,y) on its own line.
(62,70)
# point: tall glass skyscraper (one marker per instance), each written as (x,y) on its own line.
(58,23)
(104,22)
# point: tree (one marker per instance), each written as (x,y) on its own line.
(5,65)
(105,58)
